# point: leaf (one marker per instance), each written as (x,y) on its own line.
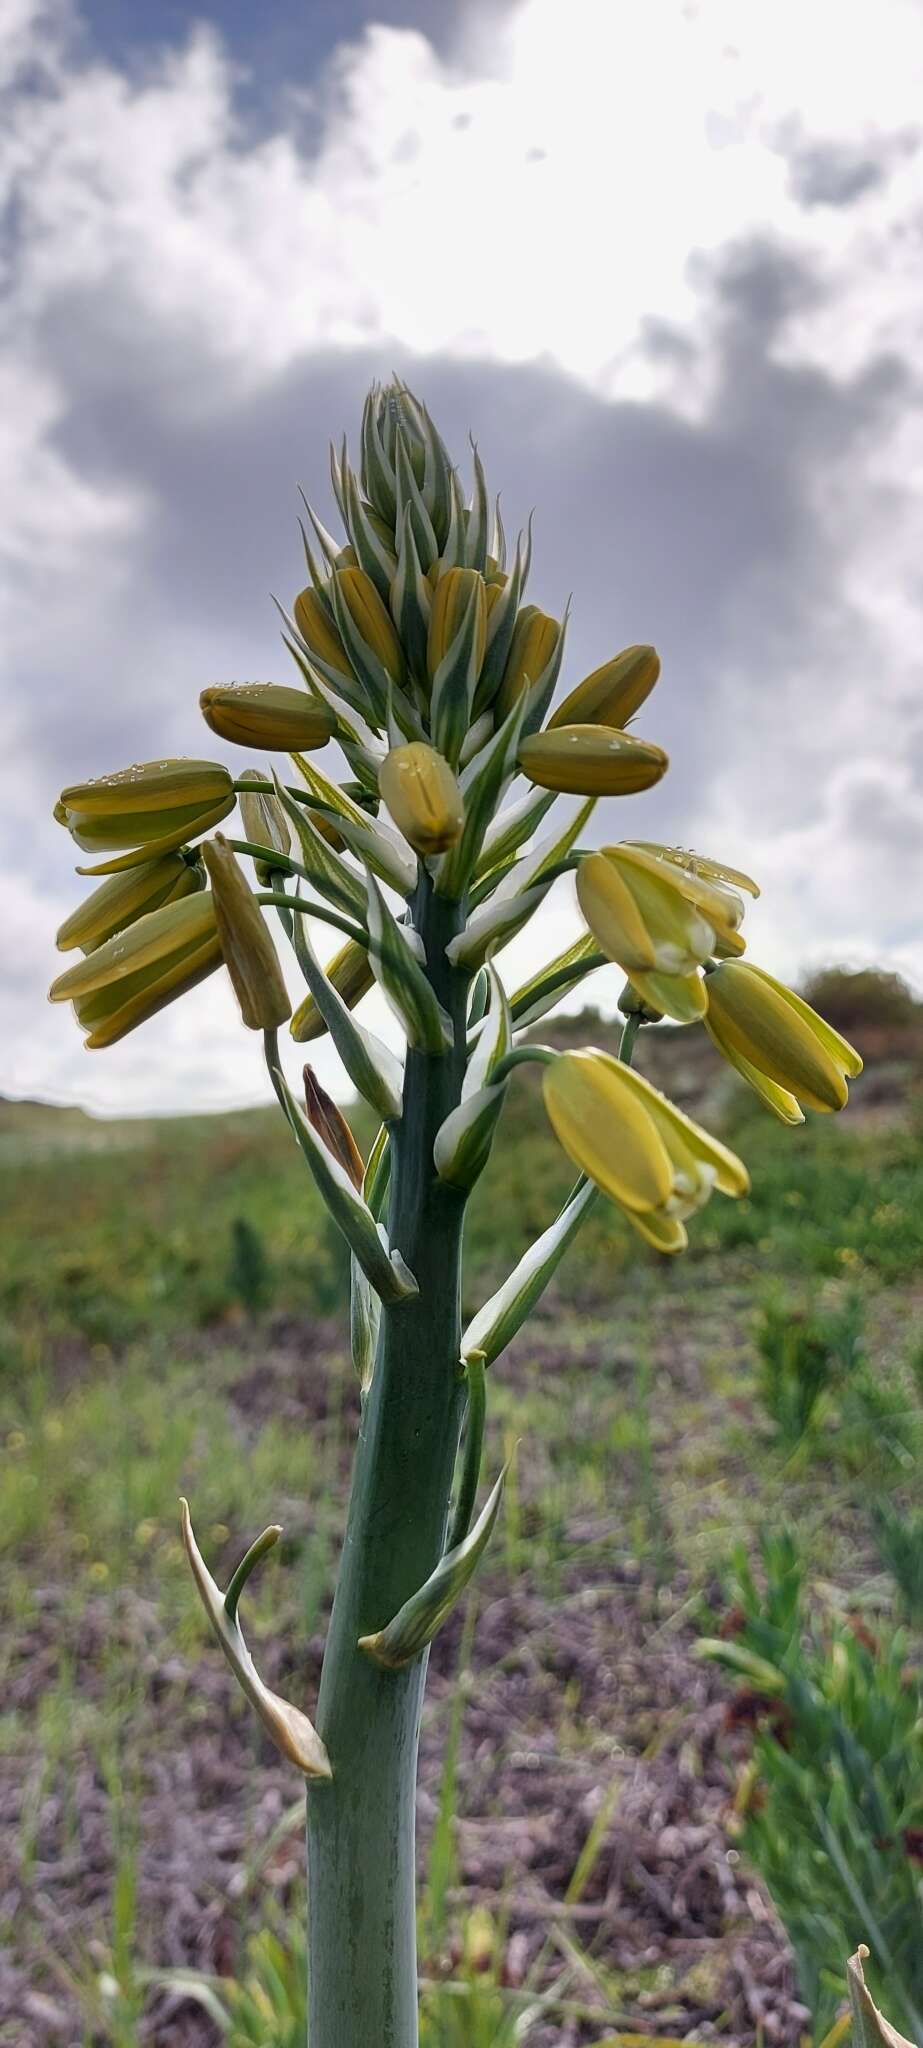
(464,1139)
(403,979)
(870,2029)
(322,866)
(290,1729)
(386,1270)
(494,1326)
(534,998)
(481,785)
(372,1068)
(416,1623)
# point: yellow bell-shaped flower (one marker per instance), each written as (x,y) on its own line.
(267,715)
(591,760)
(122,899)
(657,1164)
(613,693)
(150,808)
(777,1042)
(131,976)
(422,796)
(659,923)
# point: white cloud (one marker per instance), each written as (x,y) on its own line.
(552,199)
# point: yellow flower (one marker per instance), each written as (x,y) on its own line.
(318,631)
(591,760)
(124,898)
(644,1153)
(350,974)
(787,1053)
(249,954)
(370,620)
(151,809)
(134,974)
(658,922)
(267,715)
(456,591)
(422,796)
(535,639)
(614,692)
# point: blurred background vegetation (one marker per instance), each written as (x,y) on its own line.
(630,1835)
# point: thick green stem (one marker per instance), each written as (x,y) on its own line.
(362,1927)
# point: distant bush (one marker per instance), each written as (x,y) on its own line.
(249,1273)
(850,997)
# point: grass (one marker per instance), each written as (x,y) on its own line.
(169,1322)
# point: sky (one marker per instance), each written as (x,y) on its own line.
(662,257)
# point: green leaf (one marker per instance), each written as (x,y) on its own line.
(415,1624)
(290,1729)
(534,998)
(495,1325)
(403,980)
(372,1068)
(323,867)
(481,784)
(464,1139)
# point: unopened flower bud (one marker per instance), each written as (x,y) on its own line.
(267,715)
(422,796)
(330,1124)
(123,899)
(370,619)
(458,594)
(350,974)
(535,639)
(132,975)
(318,632)
(150,808)
(249,954)
(591,760)
(613,693)
(265,824)
(632,1004)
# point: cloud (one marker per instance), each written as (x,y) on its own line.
(678,317)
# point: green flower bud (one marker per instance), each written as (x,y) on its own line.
(591,760)
(370,619)
(422,796)
(613,693)
(267,715)
(265,824)
(249,954)
(124,898)
(133,975)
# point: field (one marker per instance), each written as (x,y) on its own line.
(170,1322)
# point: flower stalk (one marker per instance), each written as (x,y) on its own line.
(416,657)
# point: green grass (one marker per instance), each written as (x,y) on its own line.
(147,1348)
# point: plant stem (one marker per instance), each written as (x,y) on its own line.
(362,1922)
